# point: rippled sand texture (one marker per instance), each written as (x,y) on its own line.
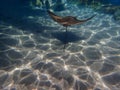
(32,58)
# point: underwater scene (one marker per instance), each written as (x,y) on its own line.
(60,45)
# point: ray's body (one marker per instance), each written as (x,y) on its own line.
(68,20)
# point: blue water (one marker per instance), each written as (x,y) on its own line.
(36,53)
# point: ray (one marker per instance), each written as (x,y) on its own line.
(68,20)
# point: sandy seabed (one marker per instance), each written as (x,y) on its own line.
(34,57)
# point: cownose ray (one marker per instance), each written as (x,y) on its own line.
(68,20)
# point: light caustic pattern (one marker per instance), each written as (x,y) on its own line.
(35,59)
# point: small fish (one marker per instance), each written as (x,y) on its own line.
(68,20)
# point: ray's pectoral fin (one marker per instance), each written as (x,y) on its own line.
(87,19)
(54,16)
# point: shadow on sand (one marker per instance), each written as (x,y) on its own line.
(66,37)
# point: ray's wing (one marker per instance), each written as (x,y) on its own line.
(82,21)
(54,17)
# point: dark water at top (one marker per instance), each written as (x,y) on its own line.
(37,53)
